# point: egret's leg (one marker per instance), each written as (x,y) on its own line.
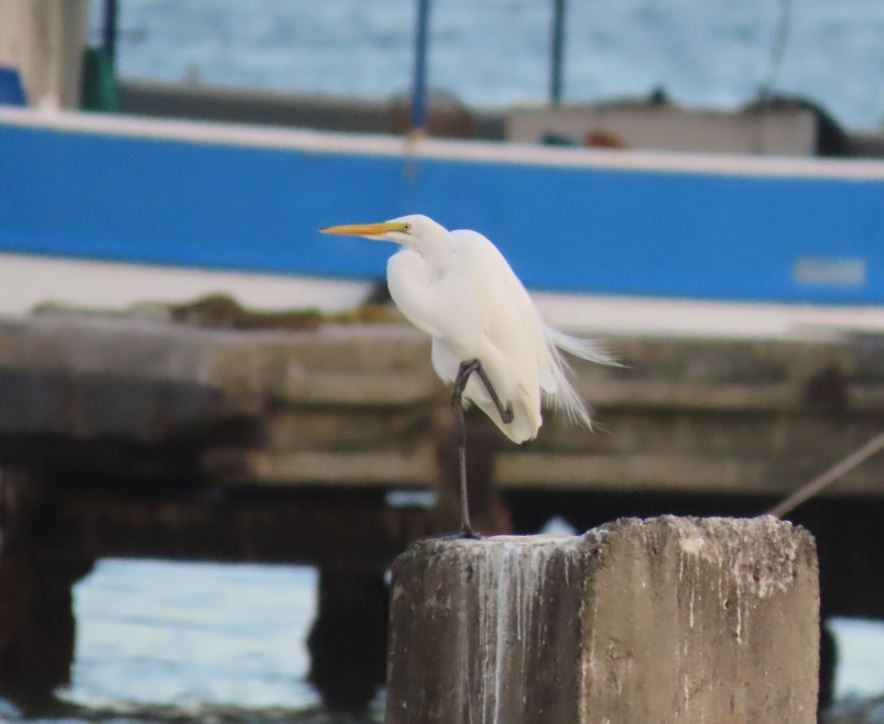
(463,375)
(466,527)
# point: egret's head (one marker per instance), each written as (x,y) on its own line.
(407,230)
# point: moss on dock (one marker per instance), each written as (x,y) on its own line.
(222,311)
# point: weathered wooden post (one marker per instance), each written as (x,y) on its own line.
(37,627)
(346,641)
(660,620)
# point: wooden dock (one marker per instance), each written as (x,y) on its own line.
(359,406)
(124,436)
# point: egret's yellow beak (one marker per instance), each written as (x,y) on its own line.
(366,229)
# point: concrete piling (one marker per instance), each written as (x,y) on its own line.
(659,620)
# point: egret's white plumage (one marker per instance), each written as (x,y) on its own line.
(458,288)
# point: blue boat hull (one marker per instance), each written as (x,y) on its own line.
(787,232)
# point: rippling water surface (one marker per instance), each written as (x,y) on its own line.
(199,633)
(495,52)
(160,641)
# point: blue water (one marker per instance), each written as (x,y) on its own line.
(495,52)
(861,648)
(190,634)
(170,641)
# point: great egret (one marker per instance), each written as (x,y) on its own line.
(457,287)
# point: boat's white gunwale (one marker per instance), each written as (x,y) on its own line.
(321,142)
(27,280)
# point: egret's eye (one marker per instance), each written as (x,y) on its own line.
(406,228)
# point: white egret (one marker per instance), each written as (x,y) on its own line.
(457,287)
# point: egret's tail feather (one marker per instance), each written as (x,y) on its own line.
(589,349)
(558,389)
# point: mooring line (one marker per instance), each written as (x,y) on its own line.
(820,482)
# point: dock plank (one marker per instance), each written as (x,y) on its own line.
(683,473)
(385,466)
(358,406)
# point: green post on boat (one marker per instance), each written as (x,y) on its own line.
(100,90)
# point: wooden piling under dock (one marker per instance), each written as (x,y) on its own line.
(662,620)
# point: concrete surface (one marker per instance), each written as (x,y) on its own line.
(662,620)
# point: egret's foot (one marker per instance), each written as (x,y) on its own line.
(462,534)
(507,415)
(463,375)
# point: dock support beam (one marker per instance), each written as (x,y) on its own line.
(37,626)
(347,642)
(664,620)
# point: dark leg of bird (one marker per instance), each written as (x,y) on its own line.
(466,527)
(463,375)
(506,414)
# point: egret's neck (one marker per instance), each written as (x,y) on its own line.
(436,252)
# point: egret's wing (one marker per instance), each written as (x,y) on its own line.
(464,300)
(503,306)
(510,329)
(521,332)
(445,362)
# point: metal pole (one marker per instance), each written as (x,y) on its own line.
(558,52)
(419,80)
(109,31)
